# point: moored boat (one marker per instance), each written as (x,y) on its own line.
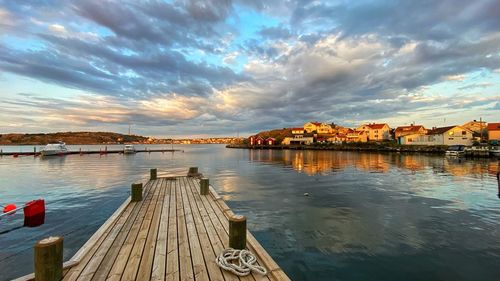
(52,149)
(495,151)
(455,150)
(129,149)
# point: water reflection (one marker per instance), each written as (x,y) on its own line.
(326,162)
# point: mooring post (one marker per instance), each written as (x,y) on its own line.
(49,259)
(34,150)
(204,186)
(193,172)
(237,232)
(153,174)
(136,193)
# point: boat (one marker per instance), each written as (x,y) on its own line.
(455,150)
(52,149)
(495,151)
(129,149)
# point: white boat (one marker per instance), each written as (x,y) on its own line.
(54,149)
(495,151)
(455,150)
(129,149)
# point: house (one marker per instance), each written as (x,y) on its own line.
(376,132)
(270,141)
(298,131)
(305,138)
(409,130)
(451,135)
(475,126)
(356,136)
(325,129)
(310,127)
(337,138)
(494,131)
(256,140)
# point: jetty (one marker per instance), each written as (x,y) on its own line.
(170,228)
(82,152)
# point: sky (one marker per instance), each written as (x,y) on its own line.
(236,67)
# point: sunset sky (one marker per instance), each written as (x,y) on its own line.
(215,68)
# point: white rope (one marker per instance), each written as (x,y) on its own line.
(246,262)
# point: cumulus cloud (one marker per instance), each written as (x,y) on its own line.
(159,64)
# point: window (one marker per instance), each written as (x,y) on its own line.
(410,140)
(464,133)
(450,138)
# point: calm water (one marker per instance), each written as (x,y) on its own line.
(368,217)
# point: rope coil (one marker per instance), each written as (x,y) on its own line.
(246,262)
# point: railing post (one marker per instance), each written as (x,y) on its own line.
(237,232)
(204,186)
(49,259)
(136,193)
(153,174)
(193,172)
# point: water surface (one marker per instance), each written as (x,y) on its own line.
(368,216)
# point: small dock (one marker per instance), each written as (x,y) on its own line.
(82,152)
(173,233)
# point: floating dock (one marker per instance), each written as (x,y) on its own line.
(171,232)
(81,152)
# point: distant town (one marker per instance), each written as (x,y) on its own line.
(470,133)
(87,138)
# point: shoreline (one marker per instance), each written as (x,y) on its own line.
(436,150)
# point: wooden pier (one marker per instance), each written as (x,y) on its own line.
(81,152)
(172,233)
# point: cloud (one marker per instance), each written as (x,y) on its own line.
(161,64)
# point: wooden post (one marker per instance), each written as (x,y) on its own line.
(204,186)
(136,192)
(193,172)
(49,259)
(153,174)
(238,232)
(34,150)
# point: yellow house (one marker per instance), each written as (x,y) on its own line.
(376,132)
(451,135)
(356,136)
(310,127)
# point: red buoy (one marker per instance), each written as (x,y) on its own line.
(9,208)
(34,213)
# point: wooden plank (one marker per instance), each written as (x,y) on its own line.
(185,262)
(108,261)
(159,264)
(98,256)
(75,271)
(146,264)
(172,270)
(199,266)
(124,254)
(132,266)
(211,244)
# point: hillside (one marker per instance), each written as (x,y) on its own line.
(69,138)
(278,134)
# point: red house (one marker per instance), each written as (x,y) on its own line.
(270,141)
(259,140)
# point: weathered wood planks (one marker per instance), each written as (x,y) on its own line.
(174,233)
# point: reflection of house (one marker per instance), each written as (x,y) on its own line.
(310,127)
(494,131)
(409,130)
(451,135)
(376,132)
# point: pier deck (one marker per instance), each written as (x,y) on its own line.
(174,233)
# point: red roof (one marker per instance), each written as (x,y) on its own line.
(493,126)
(268,139)
(376,126)
(316,123)
(441,130)
(296,129)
